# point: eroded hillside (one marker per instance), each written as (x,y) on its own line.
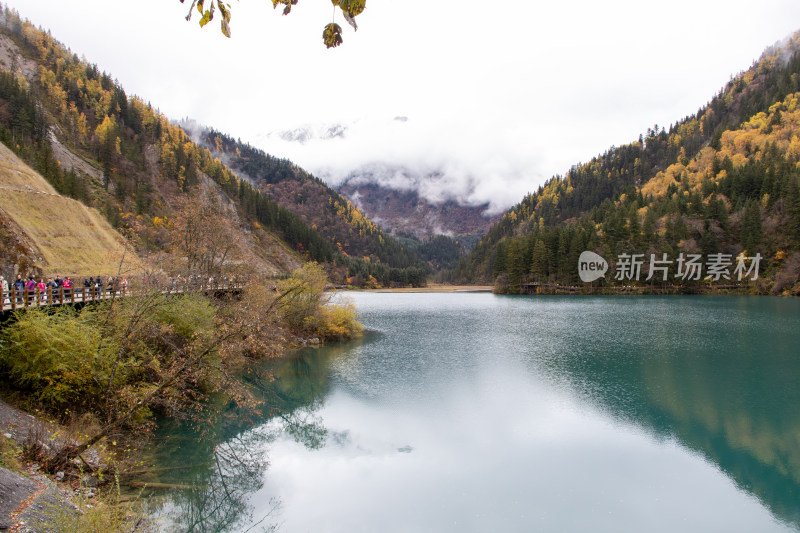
(47,233)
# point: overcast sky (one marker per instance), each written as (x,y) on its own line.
(499,96)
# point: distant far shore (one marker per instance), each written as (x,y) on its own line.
(553,289)
(436,288)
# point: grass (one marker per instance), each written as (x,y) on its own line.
(71,239)
(108,512)
(10,454)
(16,174)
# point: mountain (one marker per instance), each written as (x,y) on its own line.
(434,195)
(359,244)
(723,180)
(295,189)
(90,141)
(405,211)
(78,129)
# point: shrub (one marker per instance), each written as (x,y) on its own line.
(60,355)
(338,322)
(307,308)
(187,315)
(304,296)
(75,359)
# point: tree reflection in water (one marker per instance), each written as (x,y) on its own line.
(219,500)
(232,457)
(727,393)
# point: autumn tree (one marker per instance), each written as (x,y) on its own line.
(309,310)
(108,143)
(162,351)
(204,234)
(123,360)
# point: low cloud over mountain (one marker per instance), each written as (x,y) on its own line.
(406,154)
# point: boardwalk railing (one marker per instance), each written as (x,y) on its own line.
(19,299)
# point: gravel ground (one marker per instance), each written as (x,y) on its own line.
(20,424)
(27,502)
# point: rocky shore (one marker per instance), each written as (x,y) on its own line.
(29,500)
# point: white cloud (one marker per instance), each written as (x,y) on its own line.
(439,162)
(499,96)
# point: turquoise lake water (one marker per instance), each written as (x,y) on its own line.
(477,412)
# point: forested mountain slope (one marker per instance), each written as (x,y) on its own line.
(724,180)
(78,128)
(318,205)
(360,247)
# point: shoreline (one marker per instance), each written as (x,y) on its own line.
(566,290)
(431,289)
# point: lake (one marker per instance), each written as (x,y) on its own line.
(477,412)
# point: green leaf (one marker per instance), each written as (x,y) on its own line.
(200,6)
(287,3)
(332,35)
(352,7)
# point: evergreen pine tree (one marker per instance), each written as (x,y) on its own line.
(752,233)
(539,261)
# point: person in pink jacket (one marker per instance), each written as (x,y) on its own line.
(67,286)
(30,288)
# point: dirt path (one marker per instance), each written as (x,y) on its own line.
(15,491)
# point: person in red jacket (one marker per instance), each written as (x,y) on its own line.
(41,287)
(67,286)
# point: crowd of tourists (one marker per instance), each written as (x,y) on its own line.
(23,292)
(29,290)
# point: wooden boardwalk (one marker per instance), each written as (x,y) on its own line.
(14,300)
